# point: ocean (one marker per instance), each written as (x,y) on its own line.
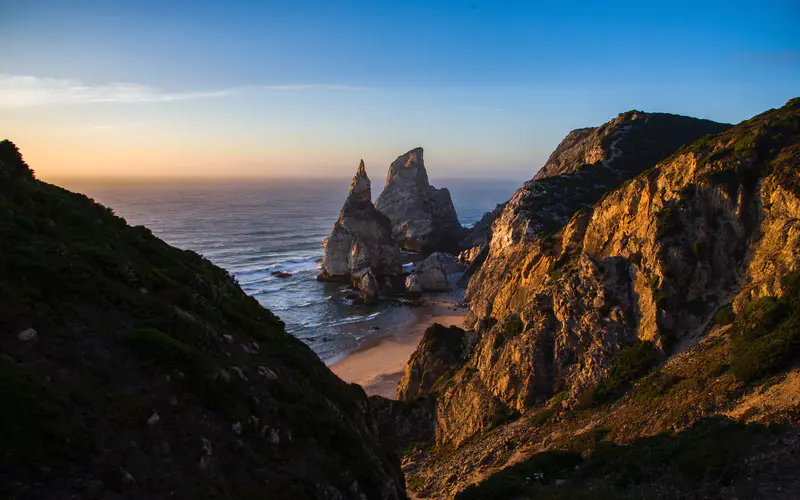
(256,227)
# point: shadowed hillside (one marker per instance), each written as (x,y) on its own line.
(132,369)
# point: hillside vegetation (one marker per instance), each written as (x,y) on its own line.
(133,368)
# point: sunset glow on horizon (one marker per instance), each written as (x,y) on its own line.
(214,90)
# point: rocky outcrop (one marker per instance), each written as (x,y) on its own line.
(480,233)
(439,354)
(368,287)
(133,369)
(423,218)
(360,248)
(605,157)
(476,242)
(403,423)
(560,293)
(434,274)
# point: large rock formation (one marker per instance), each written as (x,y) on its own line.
(434,274)
(533,320)
(567,311)
(360,248)
(423,217)
(133,369)
(440,351)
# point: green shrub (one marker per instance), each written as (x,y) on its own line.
(518,479)
(768,334)
(542,417)
(559,262)
(439,338)
(668,222)
(724,315)
(630,363)
(35,425)
(512,327)
(154,344)
(709,450)
(502,415)
(699,250)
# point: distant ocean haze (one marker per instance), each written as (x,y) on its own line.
(255,228)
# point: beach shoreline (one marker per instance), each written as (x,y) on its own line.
(379,363)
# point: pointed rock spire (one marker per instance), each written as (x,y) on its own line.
(360,187)
(361,239)
(423,218)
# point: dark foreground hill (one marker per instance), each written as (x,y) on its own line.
(132,369)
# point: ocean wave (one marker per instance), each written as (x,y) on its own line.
(308,303)
(328,324)
(263,272)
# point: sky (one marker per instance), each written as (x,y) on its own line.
(302,88)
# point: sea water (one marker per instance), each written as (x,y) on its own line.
(255,228)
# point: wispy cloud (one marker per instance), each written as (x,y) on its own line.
(23,91)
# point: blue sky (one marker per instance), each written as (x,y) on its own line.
(307,88)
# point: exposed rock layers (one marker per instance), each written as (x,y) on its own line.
(573,275)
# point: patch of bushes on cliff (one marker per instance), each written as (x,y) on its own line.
(628,365)
(439,338)
(521,478)
(545,414)
(501,415)
(767,335)
(701,460)
(512,327)
(668,222)
(707,453)
(724,315)
(37,427)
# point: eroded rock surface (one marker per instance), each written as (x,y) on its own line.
(434,274)
(423,218)
(652,260)
(362,239)
(440,352)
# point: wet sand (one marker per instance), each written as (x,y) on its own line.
(378,364)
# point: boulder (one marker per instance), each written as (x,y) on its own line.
(432,273)
(368,287)
(423,218)
(361,239)
(439,354)
(413,288)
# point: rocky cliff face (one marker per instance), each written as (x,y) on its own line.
(434,274)
(651,261)
(132,369)
(361,248)
(564,318)
(423,218)
(441,351)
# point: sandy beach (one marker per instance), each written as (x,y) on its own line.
(378,365)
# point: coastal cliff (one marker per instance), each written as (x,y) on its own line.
(423,218)
(613,277)
(360,248)
(133,369)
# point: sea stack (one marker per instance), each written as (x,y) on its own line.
(361,244)
(423,218)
